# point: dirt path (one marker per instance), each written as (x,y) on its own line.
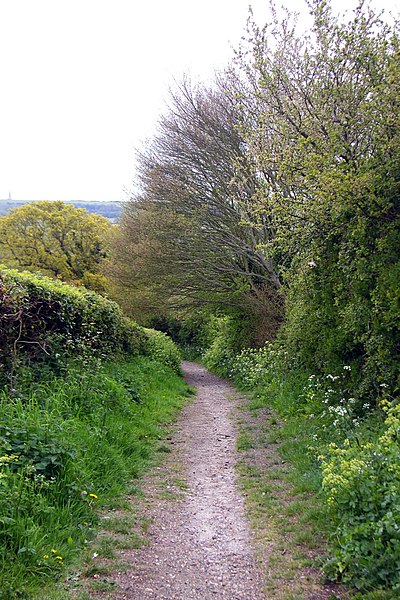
(200,545)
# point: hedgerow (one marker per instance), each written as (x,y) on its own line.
(44,321)
(80,416)
(161,348)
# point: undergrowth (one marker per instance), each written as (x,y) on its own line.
(68,446)
(345,450)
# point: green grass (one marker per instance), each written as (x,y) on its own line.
(319,516)
(79,442)
(282,487)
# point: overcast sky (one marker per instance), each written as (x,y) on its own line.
(84,81)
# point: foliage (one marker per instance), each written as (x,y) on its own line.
(110,210)
(43,321)
(362,485)
(358,456)
(253,367)
(320,118)
(190,331)
(187,239)
(68,445)
(161,348)
(228,334)
(57,239)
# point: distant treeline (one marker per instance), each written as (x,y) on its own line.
(111,210)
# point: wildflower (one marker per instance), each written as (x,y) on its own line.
(332,377)
(60,558)
(95,555)
(93,496)
(46,556)
(54,551)
(7,459)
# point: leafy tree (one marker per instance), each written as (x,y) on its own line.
(56,239)
(189,237)
(320,119)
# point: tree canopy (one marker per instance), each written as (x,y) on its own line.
(189,238)
(320,117)
(280,186)
(56,239)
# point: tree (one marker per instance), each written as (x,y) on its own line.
(320,117)
(56,239)
(187,239)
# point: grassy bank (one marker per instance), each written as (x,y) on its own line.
(70,446)
(324,491)
(343,453)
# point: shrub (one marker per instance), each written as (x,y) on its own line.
(161,348)
(254,367)
(228,337)
(361,481)
(43,321)
(190,332)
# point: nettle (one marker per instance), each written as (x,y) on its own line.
(362,486)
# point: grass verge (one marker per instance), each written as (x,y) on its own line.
(70,448)
(280,481)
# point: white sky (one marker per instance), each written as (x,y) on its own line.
(84,81)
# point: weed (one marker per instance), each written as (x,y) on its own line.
(69,447)
(103,585)
(105,548)
(122,525)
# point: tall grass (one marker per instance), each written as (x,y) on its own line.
(67,446)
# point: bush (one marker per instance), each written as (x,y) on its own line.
(43,321)
(362,486)
(161,348)
(254,367)
(228,336)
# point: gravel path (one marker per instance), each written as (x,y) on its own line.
(200,545)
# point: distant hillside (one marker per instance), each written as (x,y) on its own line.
(111,210)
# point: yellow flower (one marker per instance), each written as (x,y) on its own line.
(59,557)
(8,458)
(93,496)
(53,551)
(45,556)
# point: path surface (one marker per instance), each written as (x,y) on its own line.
(200,545)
